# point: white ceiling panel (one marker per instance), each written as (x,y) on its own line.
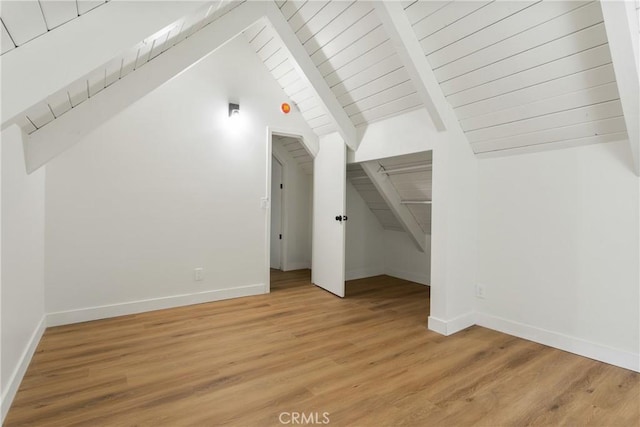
(386,81)
(554,29)
(85,6)
(389,109)
(351,50)
(144,54)
(97,81)
(57,13)
(445,16)
(575,82)
(290,7)
(282,69)
(40,114)
(5,40)
(26,124)
(323,18)
(590,96)
(566,133)
(117,68)
(566,66)
(380,98)
(419,10)
(360,29)
(296,150)
(78,92)
(363,62)
(159,45)
(348,17)
(557,49)
(270,49)
(129,61)
(472,23)
(519,17)
(574,116)
(276,58)
(376,71)
(305,13)
(23,20)
(112,70)
(59,103)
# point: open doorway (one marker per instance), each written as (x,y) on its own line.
(291,195)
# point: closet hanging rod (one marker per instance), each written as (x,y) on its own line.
(405,169)
(415,202)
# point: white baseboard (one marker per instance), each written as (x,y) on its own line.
(18,373)
(302,265)
(451,326)
(411,276)
(612,356)
(361,273)
(133,307)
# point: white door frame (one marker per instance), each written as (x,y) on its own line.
(284,218)
(267,200)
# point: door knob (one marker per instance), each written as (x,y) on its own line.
(341,218)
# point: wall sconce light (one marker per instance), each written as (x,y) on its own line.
(234,110)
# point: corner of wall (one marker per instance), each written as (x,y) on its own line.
(9,393)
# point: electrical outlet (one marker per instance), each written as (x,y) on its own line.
(198,274)
(480,291)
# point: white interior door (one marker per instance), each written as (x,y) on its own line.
(329,180)
(276,214)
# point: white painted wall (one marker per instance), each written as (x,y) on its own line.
(365,244)
(22,264)
(164,187)
(372,250)
(559,250)
(408,133)
(298,199)
(402,259)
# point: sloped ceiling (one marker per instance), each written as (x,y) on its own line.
(119,67)
(411,178)
(522,73)
(349,46)
(516,73)
(296,150)
(24,20)
(373,199)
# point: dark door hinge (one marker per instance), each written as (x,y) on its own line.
(280,236)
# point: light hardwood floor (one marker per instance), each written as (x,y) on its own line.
(366,360)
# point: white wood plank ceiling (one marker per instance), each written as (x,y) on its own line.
(110,73)
(297,151)
(517,73)
(522,73)
(348,44)
(276,58)
(24,20)
(371,196)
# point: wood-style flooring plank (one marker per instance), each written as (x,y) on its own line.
(365,360)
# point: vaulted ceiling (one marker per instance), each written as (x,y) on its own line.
(516,74)
(23,21)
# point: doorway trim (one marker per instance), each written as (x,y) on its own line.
(266,201)
(284,217)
